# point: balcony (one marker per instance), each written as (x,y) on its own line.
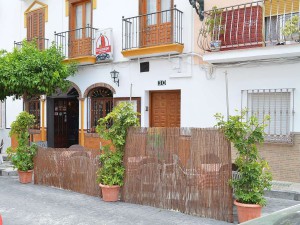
(77,45)
(266,28)
(152,34)
(42,43)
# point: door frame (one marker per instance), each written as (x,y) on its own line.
(151,103)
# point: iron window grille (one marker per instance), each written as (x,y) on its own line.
(100,103)
(279,105)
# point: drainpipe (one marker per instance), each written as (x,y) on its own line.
(227,98)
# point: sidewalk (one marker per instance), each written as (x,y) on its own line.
(39,205)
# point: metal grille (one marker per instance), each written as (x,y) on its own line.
(34,109)
(279,105)
(247,25)
(100,103)
(158,28)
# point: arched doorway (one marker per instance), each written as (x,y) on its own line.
(63,119)
(100,103)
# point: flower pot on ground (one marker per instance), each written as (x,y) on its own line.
(111,172)
(254,174)
(25,176)
(22,156)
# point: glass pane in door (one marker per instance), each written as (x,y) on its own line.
(88,19)
(78,22)
(165,15)
(151,9)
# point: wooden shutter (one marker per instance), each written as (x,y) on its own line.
(36,27)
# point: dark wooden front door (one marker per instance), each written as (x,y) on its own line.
(165,109)
(62,122)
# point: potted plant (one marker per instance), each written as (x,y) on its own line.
(214,28)
(254,174)
(291,30)
(114,127)
(22,156)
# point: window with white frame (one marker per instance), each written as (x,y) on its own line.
(279,105)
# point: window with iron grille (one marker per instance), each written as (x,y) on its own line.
(279,105)
(100,103)
(32,106)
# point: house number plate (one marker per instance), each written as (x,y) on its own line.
(162,82)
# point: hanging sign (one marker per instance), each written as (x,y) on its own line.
(104,48)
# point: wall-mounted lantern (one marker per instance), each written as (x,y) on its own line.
(115,75)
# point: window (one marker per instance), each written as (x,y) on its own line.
(278,103)
(136,101)
(36,27)
(80,28)
(33,107)
(100,103)
(2,113)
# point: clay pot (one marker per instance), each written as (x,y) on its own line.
(25,177)
(247,211)
(110,193)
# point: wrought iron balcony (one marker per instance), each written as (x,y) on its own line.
(255,24)
(42,43)
(153,29)
(76,43)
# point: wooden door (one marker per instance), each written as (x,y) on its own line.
(36,27)
(60,123)
(156,22)
(80,36)
(165,109)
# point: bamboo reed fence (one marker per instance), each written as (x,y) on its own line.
(180,169)
(71,169)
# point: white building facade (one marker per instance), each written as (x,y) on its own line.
(159,60)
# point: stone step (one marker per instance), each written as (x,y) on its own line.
(9,171)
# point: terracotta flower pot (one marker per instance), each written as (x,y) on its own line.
(110,193)
(25,177)
(247,211)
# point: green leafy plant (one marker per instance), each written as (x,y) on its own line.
(31,72)
(22,156)
(112,170)
(291,27)
(114,127)
(214,23)
(255,175)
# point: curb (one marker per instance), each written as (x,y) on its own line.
(291,195)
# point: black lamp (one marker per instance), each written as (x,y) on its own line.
(199,7)
(115,75)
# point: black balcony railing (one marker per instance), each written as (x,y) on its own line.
(76,43)
(255,24)
(153,29)
(42,43)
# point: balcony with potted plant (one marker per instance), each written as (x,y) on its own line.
(258,30)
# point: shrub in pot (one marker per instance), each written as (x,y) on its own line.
(114,127)
(255,176)
(22,156)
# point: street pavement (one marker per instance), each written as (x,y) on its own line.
(39,205)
